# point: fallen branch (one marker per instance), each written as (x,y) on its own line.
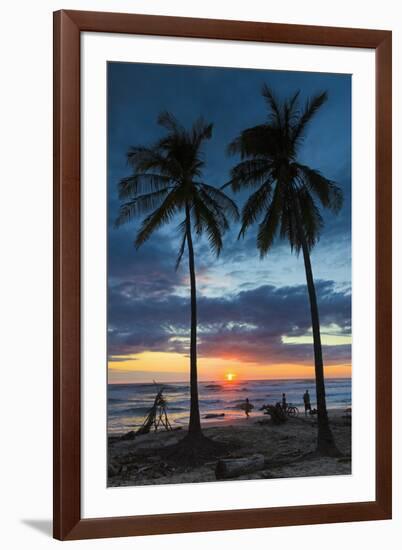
(234,467)
(228,468)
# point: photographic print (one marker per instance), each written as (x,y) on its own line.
(229,274)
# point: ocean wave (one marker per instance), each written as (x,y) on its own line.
(211,401)
(138,411)
(130,403)
(116,400)
(213,387)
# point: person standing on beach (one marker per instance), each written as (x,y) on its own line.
(307,403)
(284,404)
(247,407)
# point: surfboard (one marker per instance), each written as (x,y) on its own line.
(246,406)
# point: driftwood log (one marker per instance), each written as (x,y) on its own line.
(228,468)
(234,467)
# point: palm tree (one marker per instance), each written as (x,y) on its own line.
(286,202)
(166,183)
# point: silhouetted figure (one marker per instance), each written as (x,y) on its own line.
(247,407)
(284,404)
(307,403)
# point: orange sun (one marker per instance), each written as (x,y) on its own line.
(230,376)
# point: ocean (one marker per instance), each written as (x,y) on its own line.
(128,404)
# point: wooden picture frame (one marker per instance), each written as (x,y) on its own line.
(68,26)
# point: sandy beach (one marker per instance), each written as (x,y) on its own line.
(143,460)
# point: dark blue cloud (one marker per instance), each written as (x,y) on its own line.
(251,324)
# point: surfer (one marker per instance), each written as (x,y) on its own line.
(248,407)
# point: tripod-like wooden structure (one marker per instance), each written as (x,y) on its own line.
(157,416)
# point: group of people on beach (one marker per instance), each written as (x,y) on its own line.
(306,400)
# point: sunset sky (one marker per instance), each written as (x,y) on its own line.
(254,317)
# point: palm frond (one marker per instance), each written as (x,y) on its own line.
(273,105)
(224,203)
(162,215)
(140,205)
(206,221)
(311,218)
(310,109)
(143,159)
(249,173)
(259,141)
(289,114)
(293,103)
(183,231)
(218,213)
(268,228)
(135,153)
(255,205)
(140,183)
(200,131)
(288,229)
(170,122)
(328,193)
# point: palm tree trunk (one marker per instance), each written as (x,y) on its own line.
(195,424)
(325,440)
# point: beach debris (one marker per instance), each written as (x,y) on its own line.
(214,415)
(234,467)
(143,469)
(128,436)
(147,445)
(157,416)
(264,422)
(276,412)
(112,469)
(347,412)
(347,416)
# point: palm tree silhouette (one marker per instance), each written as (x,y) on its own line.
(166,181)
(287,201)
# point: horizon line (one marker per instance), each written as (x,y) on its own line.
(231,382)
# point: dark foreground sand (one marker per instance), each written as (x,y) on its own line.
(142,460)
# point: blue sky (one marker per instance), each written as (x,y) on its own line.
(258,308)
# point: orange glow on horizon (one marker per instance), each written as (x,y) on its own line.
(169,366)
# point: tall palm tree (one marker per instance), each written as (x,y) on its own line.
(287,202)
(167,182)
